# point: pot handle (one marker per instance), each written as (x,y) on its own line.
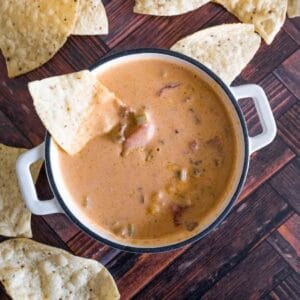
(264,112)
(27,186)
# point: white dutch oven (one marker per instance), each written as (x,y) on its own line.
(62,203)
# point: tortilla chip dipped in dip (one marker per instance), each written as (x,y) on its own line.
(14,216)
(75,108)
(31,32)
(294,8)
(30,270)
(225,49)
(167,7)
(268,16)
(91,18)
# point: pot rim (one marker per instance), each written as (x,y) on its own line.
(230,204)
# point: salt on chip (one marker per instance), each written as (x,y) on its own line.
(167,7)
(14,216)
(294,8)
(75,108)
(225,49)
(30,270)
(268,16)
(91,18)
(31,32)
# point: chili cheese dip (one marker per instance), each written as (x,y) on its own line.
(168,169)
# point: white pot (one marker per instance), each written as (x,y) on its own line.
(62,202)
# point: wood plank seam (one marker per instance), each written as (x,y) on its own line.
(146,20)
(276,296)
(18,129)
(278,77)
(244,253)
(105,46)
(288,23)
(57,236)
(292,161)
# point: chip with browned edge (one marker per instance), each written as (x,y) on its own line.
(31,32)
(75,108)
(167,7)
(267,16)
(30,270)
(91,19)
(14,216)
(225,49)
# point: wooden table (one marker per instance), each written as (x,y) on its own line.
(255,252)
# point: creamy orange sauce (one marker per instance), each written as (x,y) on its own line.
(171,188)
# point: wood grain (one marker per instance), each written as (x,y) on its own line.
(289,73)
(255,252)
(292,27)
(286,183)
(265,163)
(85,246)
(287,289)
(170,29)
(207,261)
(10,135)
(291,232)
(287,252)
(247,280)
(289,125)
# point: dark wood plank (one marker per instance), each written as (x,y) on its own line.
(10,135)
(44,234)
(286,183)
(247,280)
(292,27)
(290,230)
(122,21)
(208,260)
(287,289)
(287,252)
(266,163)
(289,125)
(84,245)
(16,104)
(289,73)
(137,270)
(163,32)
(62,225)
(268,58)
(286,241)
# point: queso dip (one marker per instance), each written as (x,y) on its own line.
(176,183)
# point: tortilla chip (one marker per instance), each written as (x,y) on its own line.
(14,216)
(30,270)
(91,19)
(294,8)
(167,7)
(225,49)
(267,16)
(75,108)
(31,32)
